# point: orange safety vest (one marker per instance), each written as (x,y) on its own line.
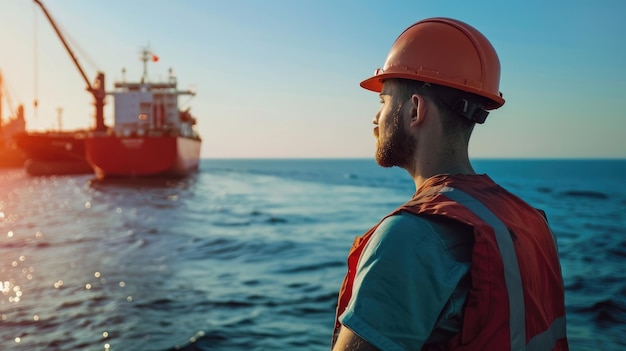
(516,301)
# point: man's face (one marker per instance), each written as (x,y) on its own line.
(395,146)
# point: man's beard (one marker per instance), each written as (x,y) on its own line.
(398,149)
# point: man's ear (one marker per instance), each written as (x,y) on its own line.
(418,109)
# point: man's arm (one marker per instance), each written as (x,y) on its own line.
(349,341)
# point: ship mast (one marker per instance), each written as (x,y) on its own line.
(97,88)
(145,57)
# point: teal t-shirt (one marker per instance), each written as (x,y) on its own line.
(411,283)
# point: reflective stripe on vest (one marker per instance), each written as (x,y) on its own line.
(512,278)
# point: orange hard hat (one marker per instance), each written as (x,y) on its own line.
(446,52)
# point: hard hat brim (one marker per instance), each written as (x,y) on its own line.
(375,84)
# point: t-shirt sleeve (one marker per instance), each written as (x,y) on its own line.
(404,278)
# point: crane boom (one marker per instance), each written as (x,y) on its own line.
(97,89)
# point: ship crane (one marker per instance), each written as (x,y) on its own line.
(97,89)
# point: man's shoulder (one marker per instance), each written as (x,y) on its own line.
(404,230)
(406,222)
(405,219)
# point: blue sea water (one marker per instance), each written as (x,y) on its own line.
(250,254)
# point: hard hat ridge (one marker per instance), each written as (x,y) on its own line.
(445,52)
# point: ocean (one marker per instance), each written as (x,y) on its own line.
(250,254)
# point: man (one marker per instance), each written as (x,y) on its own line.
(464,264)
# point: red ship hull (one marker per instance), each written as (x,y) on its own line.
(11,156)
(54,153)
(147,156)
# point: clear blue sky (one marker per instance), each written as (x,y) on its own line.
(279,78)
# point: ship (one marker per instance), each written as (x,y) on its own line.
(151,135)
(10,155)
(53,152)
